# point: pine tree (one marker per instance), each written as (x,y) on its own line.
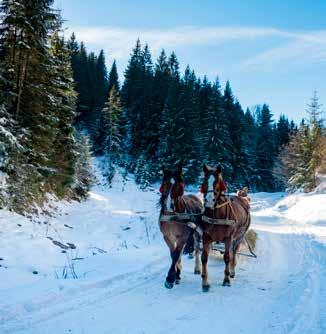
(188,124)
(101,81)
(26,59)
(80,73)
(251,176)
(113,107)
(291,166)
(265,150)
(161,81)
(142,172)
(314,141)
(146,116)
(300,161)
(38,94)
(171,134)
(73,47)
(231,146)
(109,135)
(114,78)
(174,66)
(132,98)
(137,101)
(9,141)
(63,106)
(83,167)
(283,131)
(216,130)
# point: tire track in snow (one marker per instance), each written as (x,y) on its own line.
(32,312)
(277,293)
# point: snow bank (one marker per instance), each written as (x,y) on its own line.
(304,208)
(296,213)
(122,218)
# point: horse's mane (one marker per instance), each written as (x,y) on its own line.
(193,203)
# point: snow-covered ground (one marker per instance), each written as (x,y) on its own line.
(99,267)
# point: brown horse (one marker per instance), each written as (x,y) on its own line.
(177,230)
(226,219)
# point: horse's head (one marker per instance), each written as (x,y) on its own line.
(211,186)
(177,189)
(172,187)
(165,188)
(243,192)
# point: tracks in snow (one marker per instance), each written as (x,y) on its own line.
(280,292)
(31,312)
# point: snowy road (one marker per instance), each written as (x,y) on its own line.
(282,291)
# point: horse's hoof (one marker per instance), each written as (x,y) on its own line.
(232,275)
(206,288)
(177,281)
(168,285)
(226,283)
(197,272)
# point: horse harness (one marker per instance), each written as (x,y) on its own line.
(228,203)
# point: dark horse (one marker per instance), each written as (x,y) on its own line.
(176,228)
(226,219)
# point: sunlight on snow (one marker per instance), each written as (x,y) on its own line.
(98,197)
(123,212)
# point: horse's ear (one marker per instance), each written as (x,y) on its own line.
(218,169)
(205,168)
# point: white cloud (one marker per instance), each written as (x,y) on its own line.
(304,48)
(294,47)
(119,41)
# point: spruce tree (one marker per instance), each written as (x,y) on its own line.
(300,161)
(251,174)
(101,81)
(216,129)
(283,131)
(73,47)
(110,133)
(265,150)
(188,125)
(25,56)
(171,133)
(204,96)
(63,106)
(38,94)
(113,80)
(231,145)
(314,142)
(161,81)
(80,73)
(132,99)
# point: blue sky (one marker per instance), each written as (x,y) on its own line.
(272,52)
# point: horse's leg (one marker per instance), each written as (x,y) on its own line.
(233,262)
(181,242)
(197,253)
(204,261)
(228,257)
(178,271)
(172,274)
(171,245)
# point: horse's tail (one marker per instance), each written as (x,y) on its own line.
(193,241)
(243,229)
(190,244)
